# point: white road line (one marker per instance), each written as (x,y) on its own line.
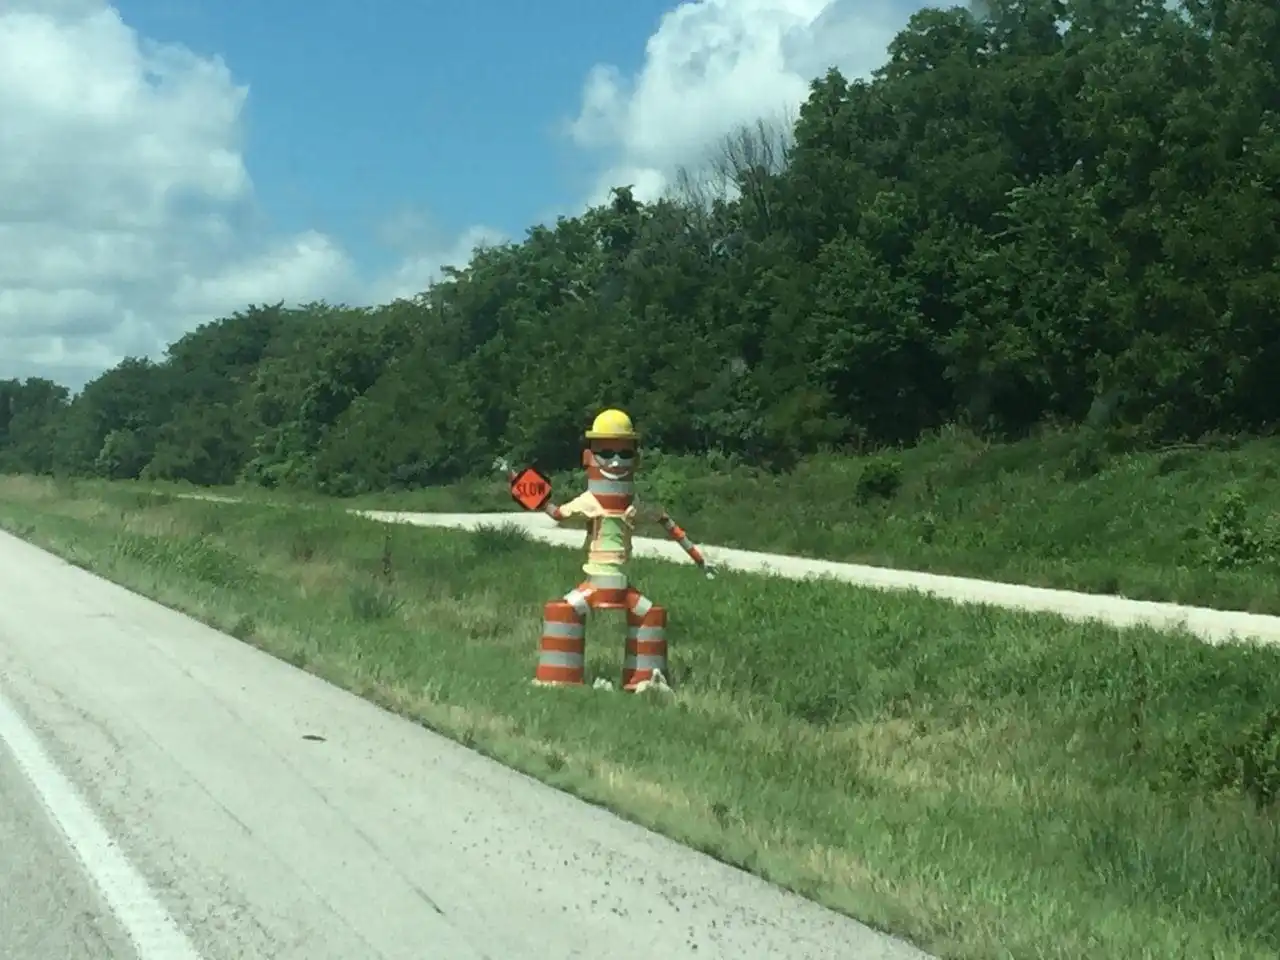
(153,931)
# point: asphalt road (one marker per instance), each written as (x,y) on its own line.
(48,906)
(166,785)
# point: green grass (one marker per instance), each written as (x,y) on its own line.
(986,783)
(1067,510)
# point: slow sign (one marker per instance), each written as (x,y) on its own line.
(530,489)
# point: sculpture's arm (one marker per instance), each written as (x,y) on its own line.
(676,533)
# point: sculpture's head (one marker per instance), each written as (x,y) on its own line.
(611,459)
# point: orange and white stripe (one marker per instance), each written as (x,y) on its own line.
(562,652)
(614,495)
(600,591)
(676,533)
(561,659)
(646,650)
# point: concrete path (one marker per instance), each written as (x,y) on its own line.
(1212,626)
(168,793)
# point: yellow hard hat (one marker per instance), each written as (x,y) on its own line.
(612,425)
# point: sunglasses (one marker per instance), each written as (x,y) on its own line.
(608,453)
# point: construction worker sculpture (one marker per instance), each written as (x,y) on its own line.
(609,513)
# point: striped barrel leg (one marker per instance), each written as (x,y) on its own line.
(562,652)
(646,650)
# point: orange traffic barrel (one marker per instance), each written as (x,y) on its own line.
(562,652)
(646,649)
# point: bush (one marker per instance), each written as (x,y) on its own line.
(1233,542)
(1247,762)
(881,479)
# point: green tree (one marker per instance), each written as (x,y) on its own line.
(1044,210)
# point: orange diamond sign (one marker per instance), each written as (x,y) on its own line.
(530,489)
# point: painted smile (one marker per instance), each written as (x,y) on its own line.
(615,475)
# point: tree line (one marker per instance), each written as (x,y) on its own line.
(1045,211)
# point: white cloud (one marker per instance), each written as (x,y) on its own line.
(418,270)
(123,194)
(424,250)
(714,65)
(124,189)
(294,270)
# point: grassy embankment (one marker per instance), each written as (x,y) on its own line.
(1057,511)
(989,784)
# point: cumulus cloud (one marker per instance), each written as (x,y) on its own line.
(418,270)
(294,270)
(424,250)
(715,65)
(125,198)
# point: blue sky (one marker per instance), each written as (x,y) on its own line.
(361,112)
(141,197)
